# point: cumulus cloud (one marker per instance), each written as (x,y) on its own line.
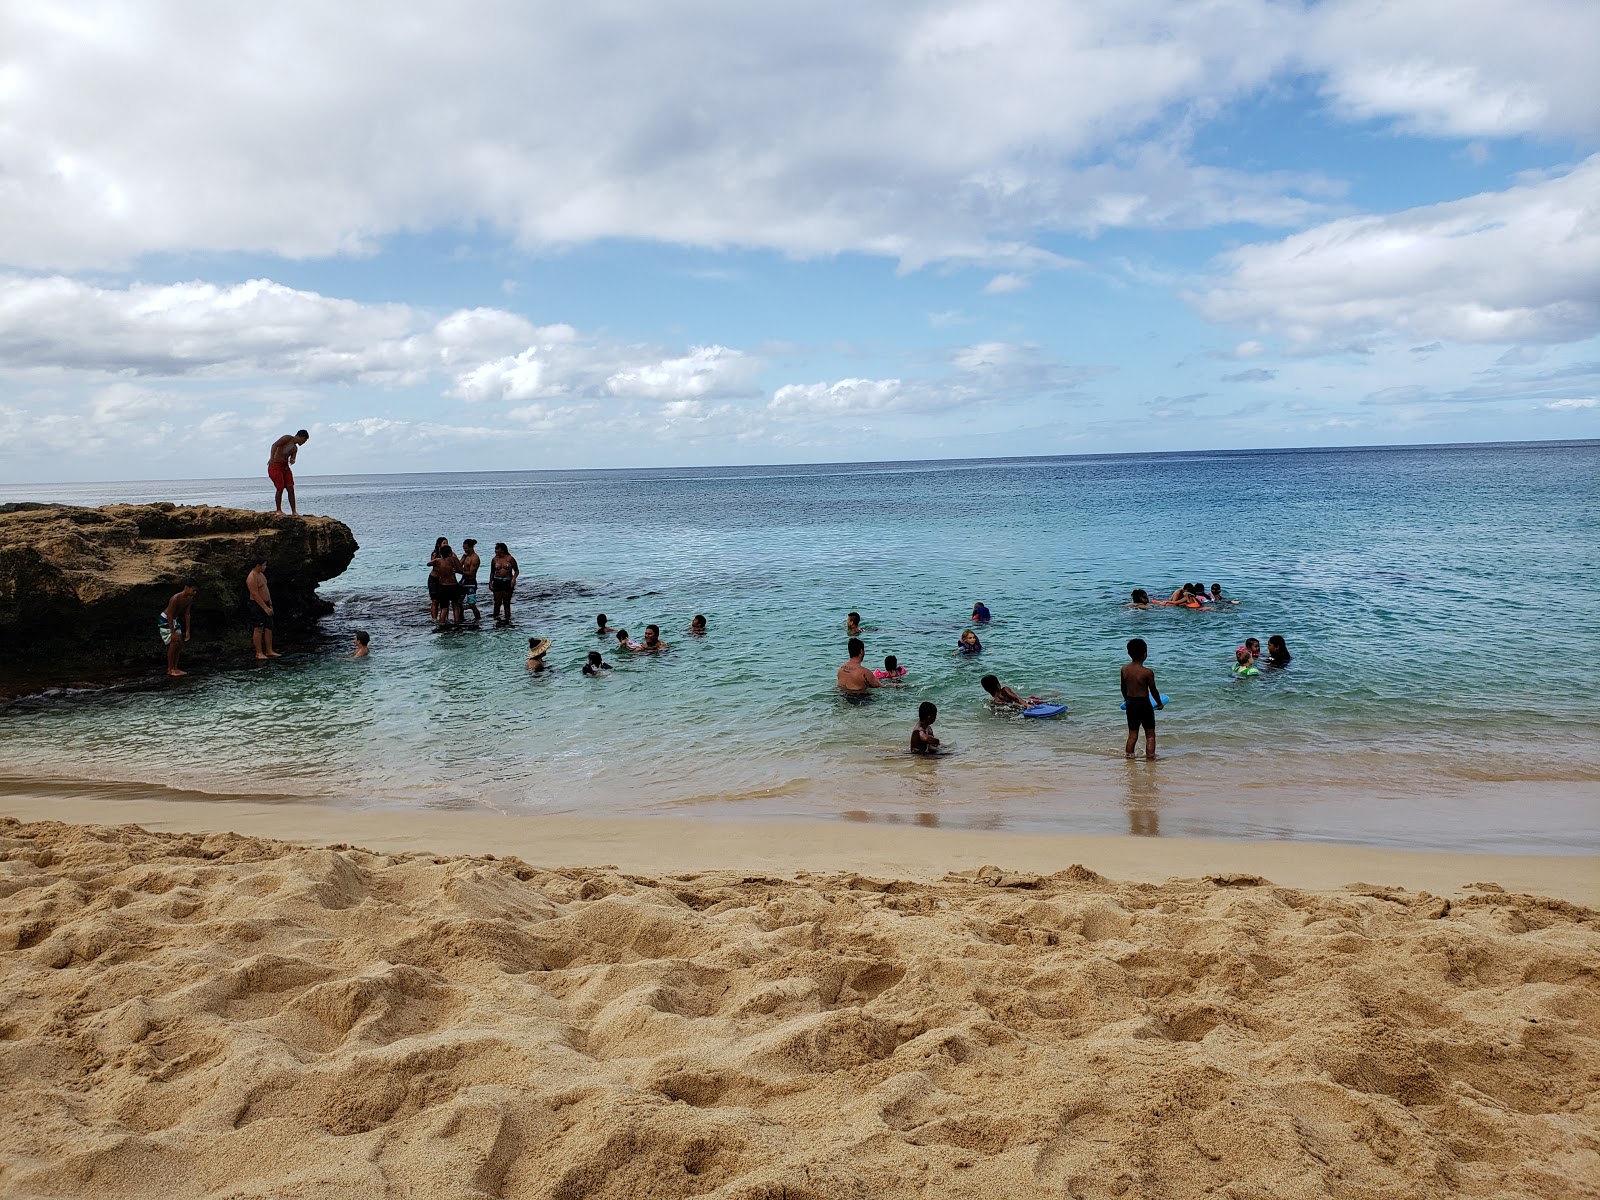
(1512,266)
(920,131)
(204,330)
(985,373)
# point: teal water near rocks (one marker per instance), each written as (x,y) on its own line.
(1442,605)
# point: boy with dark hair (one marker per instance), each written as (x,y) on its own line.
(1001,696)
(922,739)
(1138,690)
(363,644)
(174,624)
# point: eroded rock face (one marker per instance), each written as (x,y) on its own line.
(84,585)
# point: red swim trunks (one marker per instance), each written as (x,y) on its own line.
(280,474)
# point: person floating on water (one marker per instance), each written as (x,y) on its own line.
(280,467)
(174,623)
(538,647)
(1138,689)
(980,613)
(855,679)
(469,578)
(1141,599)
(923,740)
(852,624)
(1217,597)
(697,627)
(891,671)
(363,643)
(624,644)
(1001,696)
(596,664)
(259,605)
(1278,651)
(969,643)
(1244,663)
(503,573)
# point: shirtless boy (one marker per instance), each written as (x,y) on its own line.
(260,606)
(855,679)
(923,740)
(280,464)
(174,623)
(1000,696)
(1138,689)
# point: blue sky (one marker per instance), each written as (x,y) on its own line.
(517,234)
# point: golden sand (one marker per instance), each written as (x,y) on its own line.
(223,1015)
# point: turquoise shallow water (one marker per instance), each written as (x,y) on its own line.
(1441,604)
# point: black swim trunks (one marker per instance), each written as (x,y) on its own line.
(1141,713)
(260,618)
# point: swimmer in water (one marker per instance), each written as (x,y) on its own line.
(596,664)
(852,624)
(892,670)
(623,643)
(1141,599)
(969,643)
(980,613)
(923,740)
(1001,696)
(1254,646)
(363,644)
(1278,651)
(1244,664)
(652,643)
(538,647)
(697,627)
(601,628)
(855,679)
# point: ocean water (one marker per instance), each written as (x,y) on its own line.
(1442,605)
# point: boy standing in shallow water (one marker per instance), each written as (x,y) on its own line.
(923,740)
(1138,690)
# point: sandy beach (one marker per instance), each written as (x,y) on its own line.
(253,1000)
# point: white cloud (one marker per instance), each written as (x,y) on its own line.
(256,328)
(704,371)
(1572,403)
(917,131)
(1512,266)
(1490,68)
(1006,282)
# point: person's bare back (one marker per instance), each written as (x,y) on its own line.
(1136,681)
(853,677)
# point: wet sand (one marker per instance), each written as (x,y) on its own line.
(473,1005)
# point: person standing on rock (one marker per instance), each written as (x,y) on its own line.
(280,465)
(260,605)
(175,621)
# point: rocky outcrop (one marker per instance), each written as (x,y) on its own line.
(84,585)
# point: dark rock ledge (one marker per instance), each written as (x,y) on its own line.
(81,587)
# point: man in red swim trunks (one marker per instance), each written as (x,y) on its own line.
(279,465)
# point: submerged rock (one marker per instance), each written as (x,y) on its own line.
(83,586)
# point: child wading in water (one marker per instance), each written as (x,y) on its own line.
(922,739)
(1138,689)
